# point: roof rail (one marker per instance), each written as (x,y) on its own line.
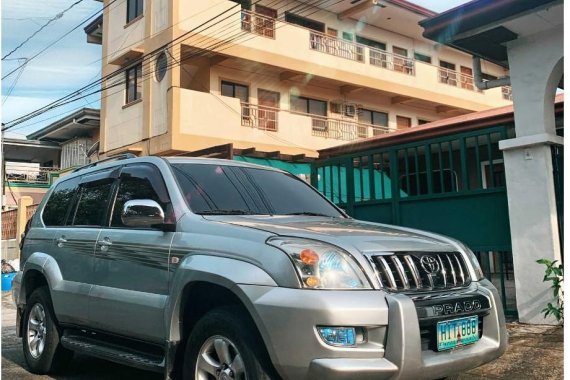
(124,156)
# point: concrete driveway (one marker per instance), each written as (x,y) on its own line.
(535,352)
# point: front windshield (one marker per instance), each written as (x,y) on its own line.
(232,190)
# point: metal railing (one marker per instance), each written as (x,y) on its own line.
(507,92)
(258,24)
(457,79)
(260,117)
(336,46)
(392,61)
(24,174)
(344,129)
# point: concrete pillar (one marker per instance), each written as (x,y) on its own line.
(536,66)
(21,216)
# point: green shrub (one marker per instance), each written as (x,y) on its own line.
(554,273)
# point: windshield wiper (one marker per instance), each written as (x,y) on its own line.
(308,213)
(227,212)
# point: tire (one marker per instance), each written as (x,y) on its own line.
(40,339)
(223,336)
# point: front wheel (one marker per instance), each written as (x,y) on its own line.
(42,349)
(224,345)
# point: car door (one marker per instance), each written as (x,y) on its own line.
(131,276)
(74,241)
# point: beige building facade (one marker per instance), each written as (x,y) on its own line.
(278,76)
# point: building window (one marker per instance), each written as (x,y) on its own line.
(378,119)
(134,9)
(403,122)
(370,43)
(307,105)
(134,83)
(304,22)
(422,57)
(234,90)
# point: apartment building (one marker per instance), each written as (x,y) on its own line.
(276,76)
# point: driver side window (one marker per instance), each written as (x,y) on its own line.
(140,182)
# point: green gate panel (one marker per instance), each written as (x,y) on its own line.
(479,220)
(379,213)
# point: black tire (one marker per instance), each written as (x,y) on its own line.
(233,324)
(53,357)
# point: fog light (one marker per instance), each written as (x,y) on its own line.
(338,336)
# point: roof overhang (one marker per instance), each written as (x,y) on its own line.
(482,28)
(94,31)
(82,123)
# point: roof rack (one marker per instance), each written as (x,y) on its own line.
(118,157)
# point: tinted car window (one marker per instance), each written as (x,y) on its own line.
(55,210)
(220,189)
(140,182)
(93,203)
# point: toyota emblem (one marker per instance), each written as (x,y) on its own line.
(430,264)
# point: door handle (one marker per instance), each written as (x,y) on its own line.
(60,241)
(104,244)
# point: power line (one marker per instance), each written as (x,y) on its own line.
(56,17)
(200,51)
(60,38)
(15,80)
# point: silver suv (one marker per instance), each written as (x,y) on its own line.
(213,269)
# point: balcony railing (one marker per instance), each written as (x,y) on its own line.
(31,175)
(344,129)
(392,61)
(456,79)
(507,92)
(336,46)
(256,23)
(260,117)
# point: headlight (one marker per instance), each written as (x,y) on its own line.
(474,264)
(321,265)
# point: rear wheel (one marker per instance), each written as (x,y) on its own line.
(42,349)
(224,345)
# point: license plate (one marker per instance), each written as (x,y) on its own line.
(457,332)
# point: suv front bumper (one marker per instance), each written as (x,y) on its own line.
(287,320)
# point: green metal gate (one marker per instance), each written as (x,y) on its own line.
(453,185)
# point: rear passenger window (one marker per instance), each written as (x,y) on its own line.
(140,182)
(93,203)
(58,204)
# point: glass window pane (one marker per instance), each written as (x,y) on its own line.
(299,104)
(227,89)
(317,107)
(242,93)
(92,203)
(140,182)
(216,187)
(59,202)
(380,118)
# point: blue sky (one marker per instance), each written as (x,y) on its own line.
(68,65)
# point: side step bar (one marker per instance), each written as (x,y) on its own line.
(96,346)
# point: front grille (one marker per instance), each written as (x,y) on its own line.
(421,271)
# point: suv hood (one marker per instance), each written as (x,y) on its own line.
(364,236)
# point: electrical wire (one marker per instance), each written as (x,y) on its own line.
(199,51)
(61,37)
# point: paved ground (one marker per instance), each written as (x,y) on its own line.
(534,353)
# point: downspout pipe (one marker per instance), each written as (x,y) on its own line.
(485,85)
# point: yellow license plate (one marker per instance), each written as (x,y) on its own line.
(457,332)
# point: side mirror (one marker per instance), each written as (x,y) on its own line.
(142,213)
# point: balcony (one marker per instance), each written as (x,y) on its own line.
(258,24)
(336,46)
(341,129)
(392,62)
(260,117)
(248,125)
(507,92)
(29,175)
(296,49)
